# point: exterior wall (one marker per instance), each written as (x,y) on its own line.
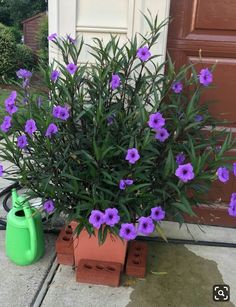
(30,29)
(99,18)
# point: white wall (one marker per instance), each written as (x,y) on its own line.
(99,18)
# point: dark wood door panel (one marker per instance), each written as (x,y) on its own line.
(208,28)
(224,106)
(203,20)
(215,15)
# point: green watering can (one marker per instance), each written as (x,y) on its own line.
(24,232)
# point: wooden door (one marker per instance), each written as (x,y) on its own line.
(210,26)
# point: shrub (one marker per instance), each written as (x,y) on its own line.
(17,34)
(24,57)
(116,143)
(43,41)
(7,52)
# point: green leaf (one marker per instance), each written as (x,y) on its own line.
(169,164)
(161,232)
(185,207)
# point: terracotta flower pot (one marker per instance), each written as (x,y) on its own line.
(87,247)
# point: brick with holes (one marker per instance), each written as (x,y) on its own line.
(136,259)
(98,272)
(64,247)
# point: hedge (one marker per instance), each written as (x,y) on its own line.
(7,52)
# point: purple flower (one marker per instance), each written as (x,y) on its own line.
(52,36)
(205,77)
(1,170)
(128,231)
(157,214)
(232,210)
(132,155)
(24,74)
(11,108)
(143,53)
(234,168)
(110,119)
(223,174)
(233,198)
(218,148)
(162,134)
(25,100)
(25,83)
(115,81)
(39,101)
(64,113)
(6,124)
(48,206)
(56,111)
(111,216)
(71,40)
(55,75)
(71,68)
(30,126)
(96,218)
(124,183)
(232,205)
(11,97)
(198,118)
(60,112)
(177,87)
(180,158)
(185,172)
(146,225)
(22,141)
(156,121)
(52,129)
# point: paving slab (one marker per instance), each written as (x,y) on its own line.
(19,285)
(178,276)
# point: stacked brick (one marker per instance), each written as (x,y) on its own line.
(101,272)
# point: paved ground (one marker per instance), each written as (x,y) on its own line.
(20,285)
(178,276)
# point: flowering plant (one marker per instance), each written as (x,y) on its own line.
(116,145)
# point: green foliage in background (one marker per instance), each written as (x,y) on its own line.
(43,41)
(7,51)
(24,57)
(13,12)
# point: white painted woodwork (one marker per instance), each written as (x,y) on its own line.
(101,18)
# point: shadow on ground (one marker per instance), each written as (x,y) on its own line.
(176,278)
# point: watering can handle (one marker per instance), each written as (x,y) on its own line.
(32,252)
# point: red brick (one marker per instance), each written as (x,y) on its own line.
(66,259)
(136,259)
(64,242)
(98,272)
(87,247)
